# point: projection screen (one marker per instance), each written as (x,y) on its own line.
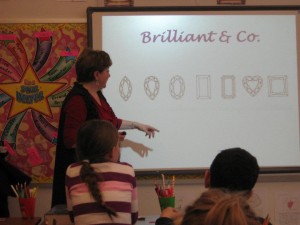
(209,78)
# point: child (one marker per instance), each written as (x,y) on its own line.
(219,207)
(235,170)
(99,188)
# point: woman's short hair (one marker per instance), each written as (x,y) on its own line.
(90,61)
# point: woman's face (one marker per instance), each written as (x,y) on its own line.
(103,77)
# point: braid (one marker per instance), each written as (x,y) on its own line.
(89,177)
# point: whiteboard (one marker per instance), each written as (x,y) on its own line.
(209,78)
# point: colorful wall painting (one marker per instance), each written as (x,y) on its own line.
(36,72)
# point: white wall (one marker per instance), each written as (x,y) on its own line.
(75,10)
(267,189)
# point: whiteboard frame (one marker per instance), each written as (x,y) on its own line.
(91,38)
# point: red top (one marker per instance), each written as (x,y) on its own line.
(74,118)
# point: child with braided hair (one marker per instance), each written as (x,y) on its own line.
(99,188)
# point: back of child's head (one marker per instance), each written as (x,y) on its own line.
(95,140)
(217,207)
(234,169)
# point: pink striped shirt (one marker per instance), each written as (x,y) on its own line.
(118,190)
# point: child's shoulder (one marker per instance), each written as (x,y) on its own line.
(125,164)
(74,165)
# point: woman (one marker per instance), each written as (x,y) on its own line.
(100,189)
(85,102)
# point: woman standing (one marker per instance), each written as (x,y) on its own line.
(85,102)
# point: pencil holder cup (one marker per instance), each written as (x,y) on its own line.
(27,207)
(165,202)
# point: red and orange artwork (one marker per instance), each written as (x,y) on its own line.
(36,72)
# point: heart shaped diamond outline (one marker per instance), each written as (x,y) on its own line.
(248,88)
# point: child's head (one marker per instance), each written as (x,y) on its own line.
(218,207)
(97,140)
(234,169)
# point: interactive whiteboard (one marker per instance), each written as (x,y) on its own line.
(209,78)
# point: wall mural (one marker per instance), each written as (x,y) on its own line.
(36,72)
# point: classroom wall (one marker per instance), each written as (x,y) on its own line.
(75,10)
(272,192)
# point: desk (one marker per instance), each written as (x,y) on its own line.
(149,220)
(21,221)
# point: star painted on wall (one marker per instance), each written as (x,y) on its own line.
(30,93)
